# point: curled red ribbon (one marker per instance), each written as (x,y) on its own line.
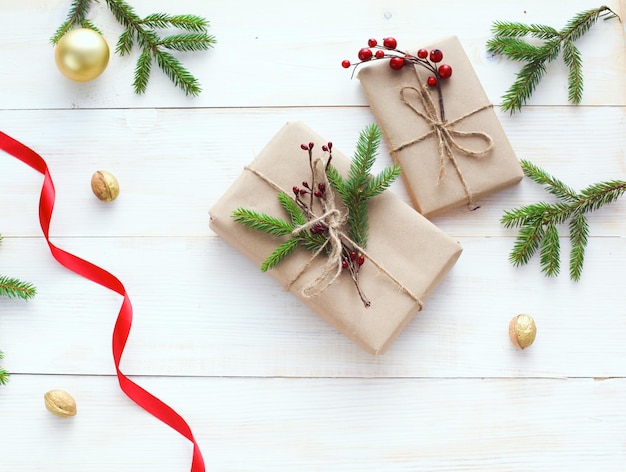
(86,269)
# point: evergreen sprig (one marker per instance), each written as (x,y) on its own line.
(13,288)
(360,186)
(538,222)
(155,48)
(508,41)
(4,375)
(355,191)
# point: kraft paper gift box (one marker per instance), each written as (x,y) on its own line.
(437,180)
(409,256)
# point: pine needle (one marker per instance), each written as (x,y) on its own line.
(509,41)
(355,191)
(538,222)
(142,32)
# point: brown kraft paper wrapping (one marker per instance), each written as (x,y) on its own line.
(421,164)
(407,246)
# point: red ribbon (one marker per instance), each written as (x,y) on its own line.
(139,395)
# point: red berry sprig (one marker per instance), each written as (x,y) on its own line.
(398,59)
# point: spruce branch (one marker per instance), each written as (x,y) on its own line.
(309,226)
(360,186)
(4,375)
(538,222)
(509,41)
(13,288)
(144,34)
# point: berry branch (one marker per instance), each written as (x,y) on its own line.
(538,222)
(154,47)
(508,42)
(307,207)
(13,288)
(398,59)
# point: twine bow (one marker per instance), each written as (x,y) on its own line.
(447,136)
(334,219)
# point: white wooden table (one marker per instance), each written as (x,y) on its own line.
(264,383)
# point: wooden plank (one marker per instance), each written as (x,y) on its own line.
(274,54)
(174,164)
(274,424)
(203,309)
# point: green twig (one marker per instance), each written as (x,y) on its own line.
(538,222)
(508,41)
(155,48)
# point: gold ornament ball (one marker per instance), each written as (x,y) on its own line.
(105,186)
(82,54)
(522,331)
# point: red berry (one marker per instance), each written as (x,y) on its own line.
(436,55)
(422,53)
(396,63)
(365,54)
(330,146)
(445,71)
(311,144)
(305,184)
(390,43)
(360,260)
(344,263)
(321,186)
(324,148)
(345,63)
(303,191)
(296,190)
(317,194)
(304,147)
(380,54)
(372,42)
(431,81)
(353,255)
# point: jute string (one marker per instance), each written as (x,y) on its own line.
(333,218)
(445,133)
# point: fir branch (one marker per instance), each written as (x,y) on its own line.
(296,214)
(360,186)
(314,230)
(142,33)
(279,254)
(538,221)
(508,41)
(76,16)
(263,222)
(185,22)
(4,375)
(14,288)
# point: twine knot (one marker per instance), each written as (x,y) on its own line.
(447,137)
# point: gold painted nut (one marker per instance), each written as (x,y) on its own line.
(60,403)
(105,186)
(522,331)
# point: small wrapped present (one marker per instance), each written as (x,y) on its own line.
(407,256)
(447,162)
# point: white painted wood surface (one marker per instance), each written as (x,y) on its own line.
(263,382)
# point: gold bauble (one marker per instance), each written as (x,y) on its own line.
(82,54)
(105,186)
(522,331)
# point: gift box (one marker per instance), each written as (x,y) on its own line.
(446,163)
(407,255)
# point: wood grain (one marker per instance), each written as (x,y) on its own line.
(265,384)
